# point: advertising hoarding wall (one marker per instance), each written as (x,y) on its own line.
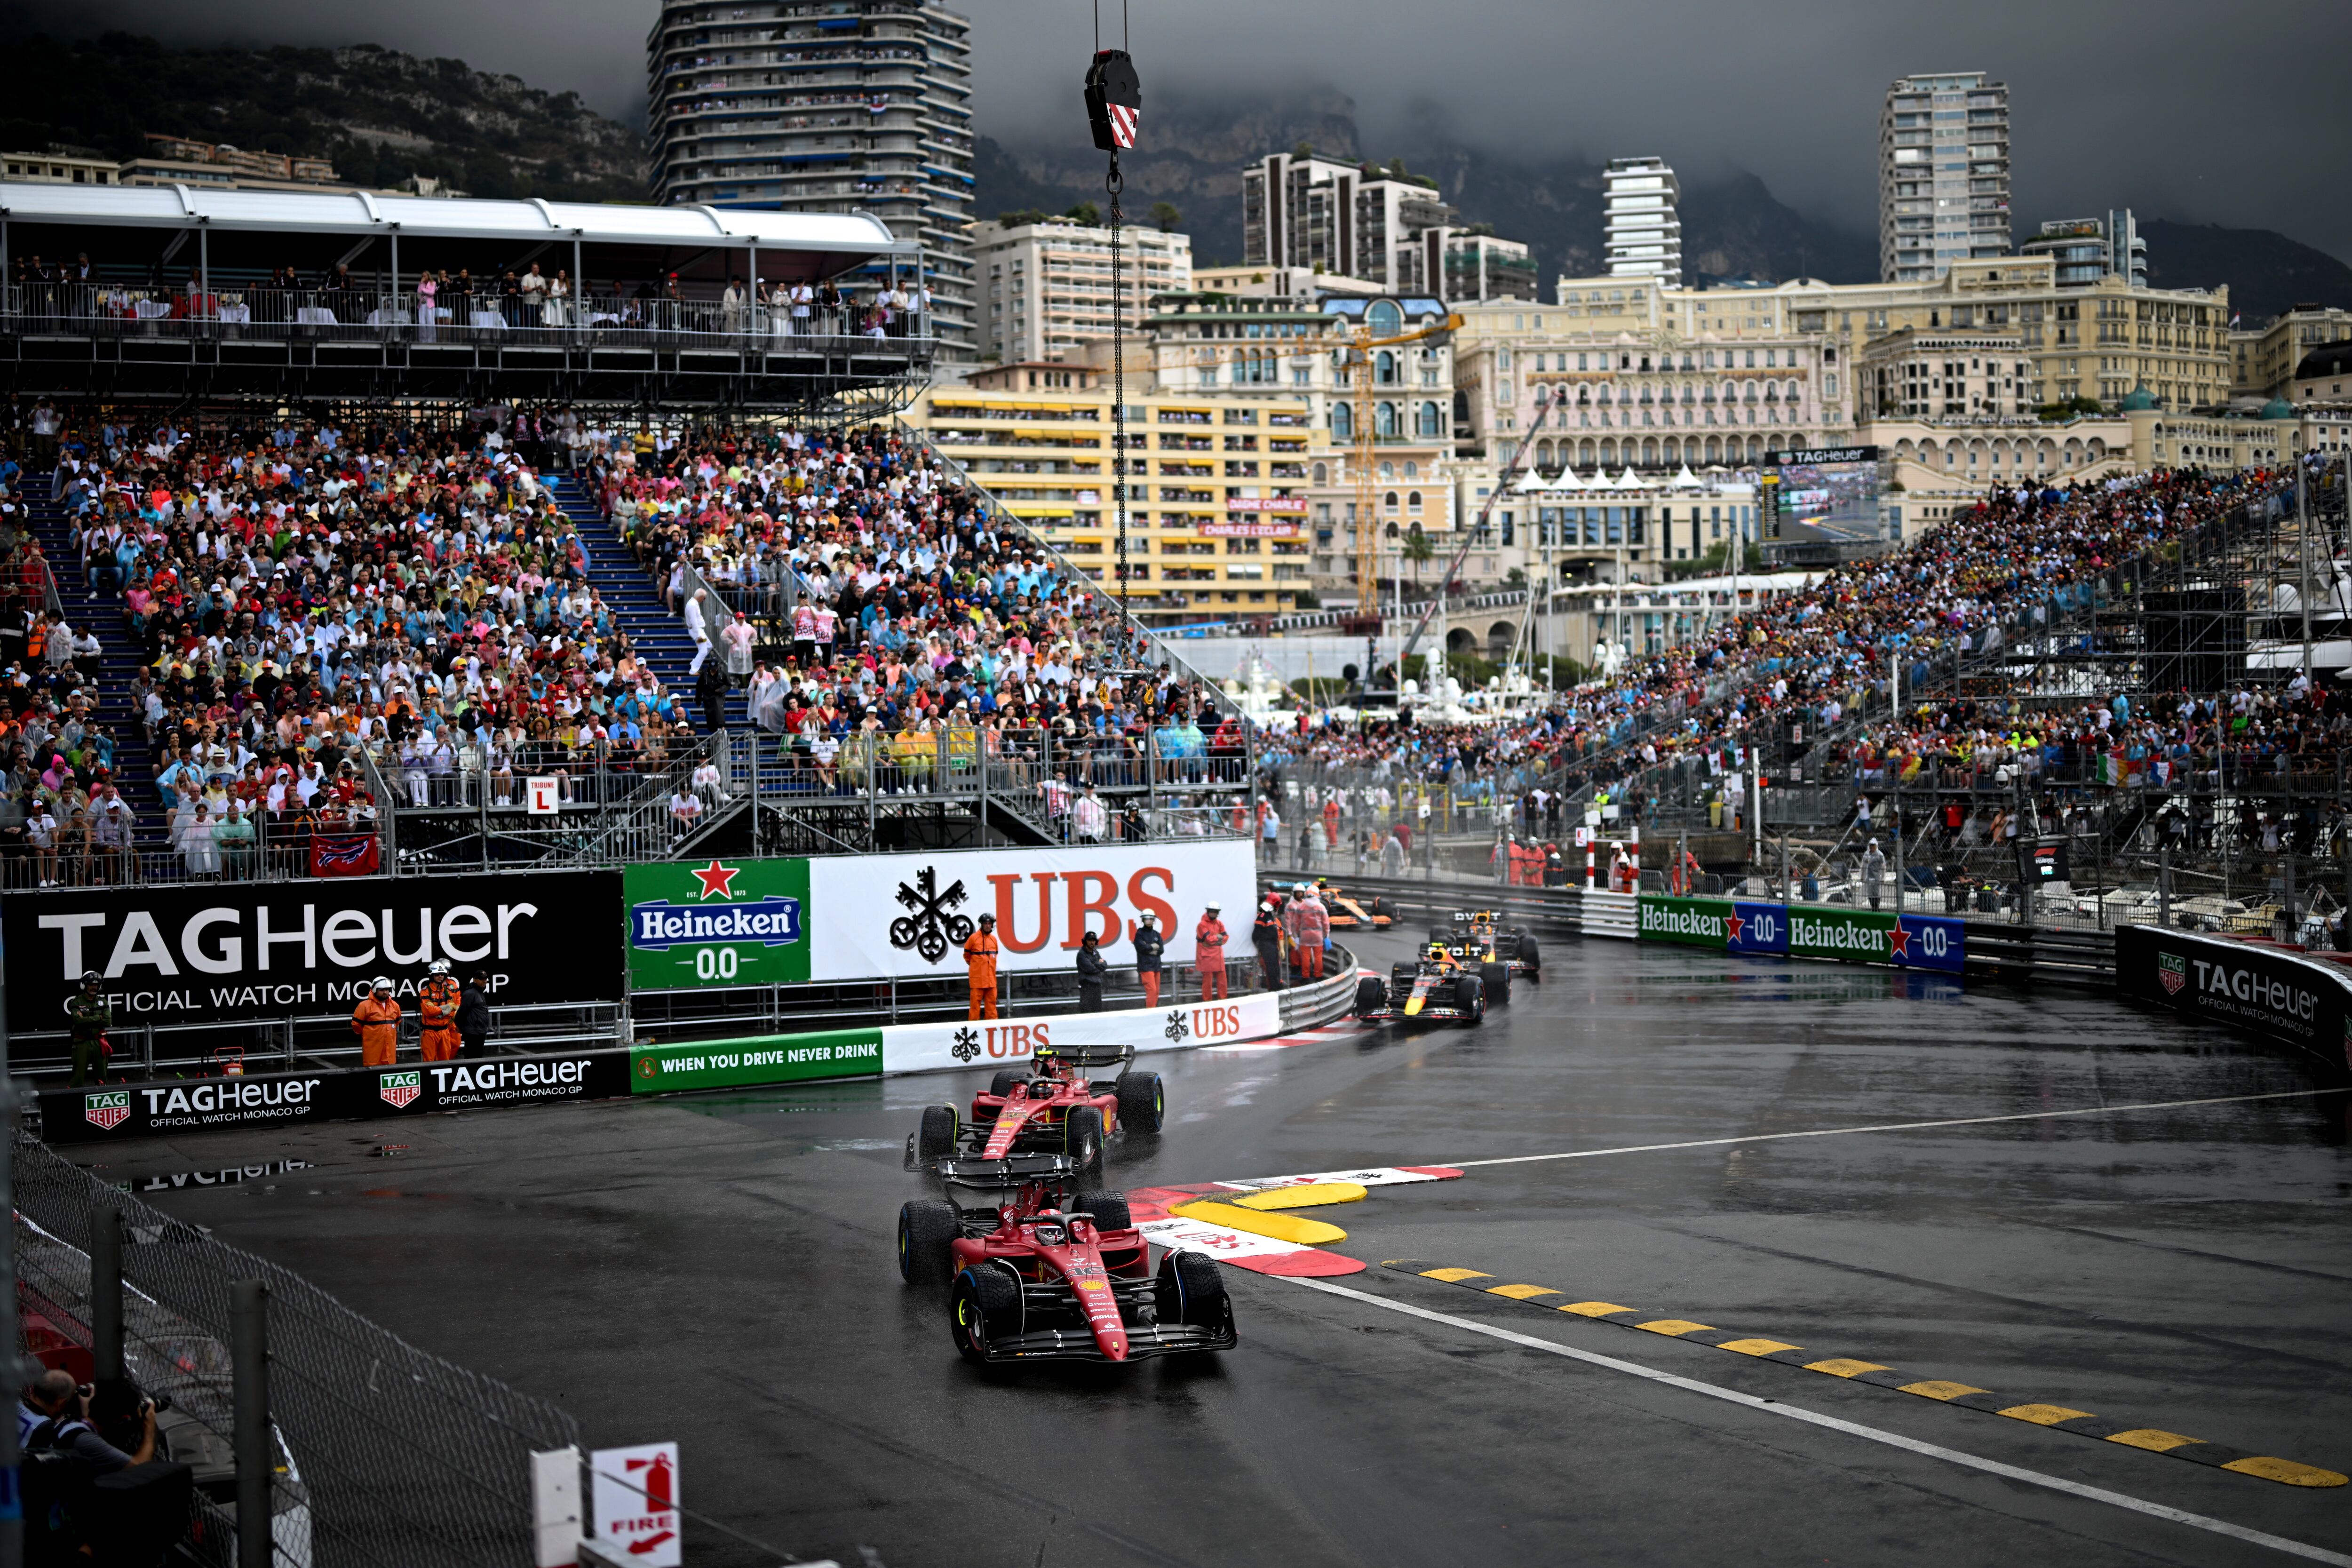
(226,951)
(2246,987)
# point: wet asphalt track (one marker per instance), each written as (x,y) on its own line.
(718,1269)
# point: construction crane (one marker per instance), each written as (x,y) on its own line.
(1357,381)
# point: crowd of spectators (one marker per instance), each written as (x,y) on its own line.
(289,599)
(910,632)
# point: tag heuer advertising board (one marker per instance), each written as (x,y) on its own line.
(729,923)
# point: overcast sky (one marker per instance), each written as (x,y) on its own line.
(2180,109)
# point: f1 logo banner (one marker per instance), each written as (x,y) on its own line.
(2254,990)
(226,952)
(907,915)
(726,923)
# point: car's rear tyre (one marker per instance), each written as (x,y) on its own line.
(1528,954)
(1192,1291)
(1383,909)
(1495,981)
(1002,1084)
(935,1137)
(926,1233)
(1372,994)
(1109,1210)
(984,1306)
(1142,1102)
(1441,934)
(1470,998)
(1082,1138)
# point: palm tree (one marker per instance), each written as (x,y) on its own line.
(1418,550)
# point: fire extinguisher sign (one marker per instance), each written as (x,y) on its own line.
(636,1501)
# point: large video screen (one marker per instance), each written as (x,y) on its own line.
(1831,488)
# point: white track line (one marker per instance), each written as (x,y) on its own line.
(1895,1127)
(1853,1428)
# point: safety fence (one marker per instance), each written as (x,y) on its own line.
(386,1454)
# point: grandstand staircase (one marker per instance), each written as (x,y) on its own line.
(661,640)
(118,661)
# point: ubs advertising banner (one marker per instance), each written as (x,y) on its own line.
(2253,989)
(227,952)
(117,1111)
(728,922)
(997,1042)
(905,915)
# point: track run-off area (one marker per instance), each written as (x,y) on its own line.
(1749,1260)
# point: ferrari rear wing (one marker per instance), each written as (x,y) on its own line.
(1012,1171)
(1087,1056)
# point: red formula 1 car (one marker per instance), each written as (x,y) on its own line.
(1050,1273)
(1052,1107)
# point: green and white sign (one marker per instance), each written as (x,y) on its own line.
(1695,923)
(730,923)
(1856,936)
(768,1058)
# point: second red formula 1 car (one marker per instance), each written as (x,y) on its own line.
(1051,1107)
(1051,1273)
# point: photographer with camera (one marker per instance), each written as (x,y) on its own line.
(53,1416)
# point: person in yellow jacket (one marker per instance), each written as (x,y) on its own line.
(980,950)
(376,1021)
(437,1003)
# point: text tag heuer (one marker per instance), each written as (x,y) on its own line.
(399,1089)
(2171,973)
(108,1110)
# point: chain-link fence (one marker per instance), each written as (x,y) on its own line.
(386,1454)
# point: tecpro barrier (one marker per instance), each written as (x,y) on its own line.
(2260,990)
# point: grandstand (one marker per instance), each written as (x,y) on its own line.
(180,296)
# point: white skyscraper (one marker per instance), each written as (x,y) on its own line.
(1643,232)
(1943,174)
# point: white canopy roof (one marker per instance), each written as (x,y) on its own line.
(361,212)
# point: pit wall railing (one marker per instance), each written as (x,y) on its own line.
(381,1452)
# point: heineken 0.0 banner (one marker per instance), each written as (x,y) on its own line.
(1823,930)
(730,923)
(1695,923)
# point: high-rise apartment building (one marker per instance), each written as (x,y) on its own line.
(823,106)
(1644,231)
(1943,174)
(1045,286)
(2089,249)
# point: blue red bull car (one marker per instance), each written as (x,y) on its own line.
(1442,986)
(1052,1106)
(1047,1272)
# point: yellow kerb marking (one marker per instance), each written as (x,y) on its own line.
(1754,1347)
(1305,1198)
(2153,1440)
(1673,1326)
(1520,1292)
(1842,1368)
(2041,1415)
(1281,1227)
(1934,1388)
(1594,1309)
(2285,1471)
(1453,1276)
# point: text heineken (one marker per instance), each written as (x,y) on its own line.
(1697,922)
(730,923)
(1858,936)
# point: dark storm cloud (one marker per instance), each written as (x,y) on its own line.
(2177,108)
